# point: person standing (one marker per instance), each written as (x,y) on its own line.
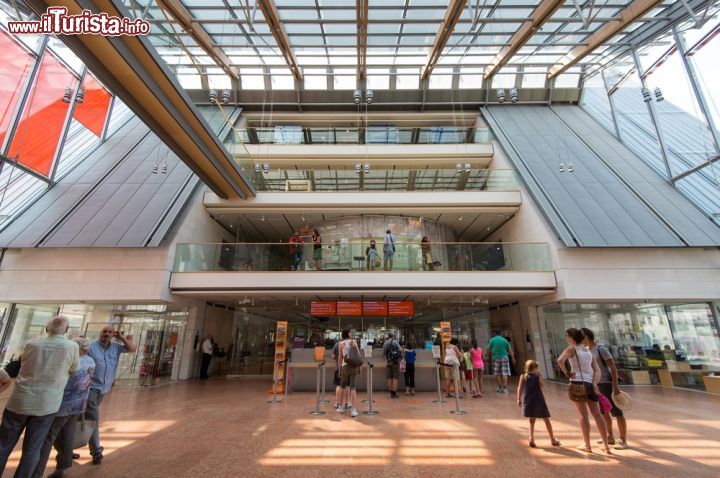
(372,256)
(476,355)
(296,250)
(530,397)
(584,376)
(348,373)
(388,250)
(428,264)
(317,249)
(608,385)
(62,430)
(409,356)
(47,363)
(393,354)
(207,354)
(106,354)
(336,374)
(452,358)
(501,353)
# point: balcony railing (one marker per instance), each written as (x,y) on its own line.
(341,255)
(425,179)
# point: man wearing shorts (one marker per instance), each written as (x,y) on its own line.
(336,374)
(608,385)
(501,353)
(348,374)
(393,354)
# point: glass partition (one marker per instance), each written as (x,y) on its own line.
(345,255)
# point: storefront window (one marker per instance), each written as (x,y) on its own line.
(696,335)
(26,322)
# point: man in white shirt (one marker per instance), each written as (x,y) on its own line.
(388,250)
(47,363)
(207,351)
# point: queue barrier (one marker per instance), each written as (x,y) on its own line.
(456,380)
(275,381)
(317,411)
(439,386)
(370,410)
(322,394)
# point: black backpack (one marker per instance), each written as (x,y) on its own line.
(394,354)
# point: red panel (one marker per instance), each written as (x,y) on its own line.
(40,128)
(15,65)
(322,308)
(93,111)
(401,308)
(351,308)
(375,308)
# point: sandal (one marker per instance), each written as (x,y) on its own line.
(555,442)
(532,443)
(584,448)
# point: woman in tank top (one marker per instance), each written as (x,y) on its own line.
(584,370)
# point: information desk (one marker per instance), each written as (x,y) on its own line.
(687,379)
(304,371)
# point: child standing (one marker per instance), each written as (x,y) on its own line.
(409,355)
(530,397)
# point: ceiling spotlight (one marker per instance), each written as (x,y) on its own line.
(266,168)
(358,168)
(213,96)
(369,96)
(513,95)
(658,94)
(225,97)
(561,167)
(258,168)
(367,169)
(467,167)
(458,166)
(501,95)
(262,219)
(460,218)
(357,96)
(80,97)
(303,218)
(67,95)
(646,95)
(570,168)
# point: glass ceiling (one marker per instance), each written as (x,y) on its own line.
(401,33)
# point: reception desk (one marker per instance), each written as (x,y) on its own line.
(304,369)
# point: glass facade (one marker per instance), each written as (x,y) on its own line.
(647,340)
(157,330)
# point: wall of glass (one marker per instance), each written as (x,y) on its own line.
(663,99)
(645,339)
(156,329)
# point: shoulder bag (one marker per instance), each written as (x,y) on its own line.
(353,358)
(577,391)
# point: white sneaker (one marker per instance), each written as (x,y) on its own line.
(354,413)
(504,390)
(348,406)
(339,410)
(621,445)
(499,389)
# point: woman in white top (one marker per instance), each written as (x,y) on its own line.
(583,371)
(452,358)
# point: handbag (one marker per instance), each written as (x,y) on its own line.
(403,366)
(353,358)
(83,431)
(13,367)
(605,404)
(577,390)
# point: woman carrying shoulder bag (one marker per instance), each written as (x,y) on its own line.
(584,376)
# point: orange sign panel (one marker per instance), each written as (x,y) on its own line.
(375,308)
(323,308)
(351,308)
(401,308)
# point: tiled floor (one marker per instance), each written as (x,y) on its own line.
(225,428)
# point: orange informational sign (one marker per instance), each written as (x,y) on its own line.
(445,336)
(351,308)
(319,353)
(375,308)
(280,354)
(401,308)
(323,308)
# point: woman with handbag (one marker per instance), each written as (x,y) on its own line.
(584,376)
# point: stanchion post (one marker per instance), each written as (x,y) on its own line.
(287,379)
(456,373)
(439,387)
(317,410)
(275,380)
(370,410)
(322,394)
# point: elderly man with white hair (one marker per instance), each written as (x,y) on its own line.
(62,430)
(47,362)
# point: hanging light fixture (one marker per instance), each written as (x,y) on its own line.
(467,167)
(658,94)
(155,169)
(163,169)
(67,95)
(458,166)
(225,97)
(367,169)
(213,96)
(369,96)
(357,96)
(561,167)
(646,95)
(266,168)
(570,168)
(358,168)
(258,168)
(80,97)
(513,95)
(501,95)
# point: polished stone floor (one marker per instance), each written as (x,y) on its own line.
(225,428)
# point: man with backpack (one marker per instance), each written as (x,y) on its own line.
(393,355)
(608,386)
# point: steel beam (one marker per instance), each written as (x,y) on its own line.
(627,16)
(539,16)
(192,27)
(272,18)
(361,14)
(452,15)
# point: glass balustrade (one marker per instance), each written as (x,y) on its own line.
(343,255)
